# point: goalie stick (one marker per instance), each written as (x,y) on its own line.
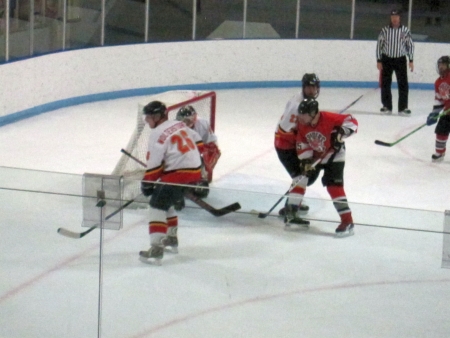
(265,214)
(77,235)
(387,144)
(201,203)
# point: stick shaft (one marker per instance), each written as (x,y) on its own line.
(386,144)
(264,215)
(73,234)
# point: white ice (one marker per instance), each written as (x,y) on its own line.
(237,275)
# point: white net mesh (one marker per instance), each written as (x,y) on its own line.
(203,102)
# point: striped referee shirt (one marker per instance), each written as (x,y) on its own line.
(395,43)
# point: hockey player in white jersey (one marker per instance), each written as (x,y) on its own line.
(173,158)
(286,131)
(210,153)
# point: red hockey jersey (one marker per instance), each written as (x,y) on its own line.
(313,141)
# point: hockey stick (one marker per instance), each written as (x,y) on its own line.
(386,144)
(201,203)
(354,102)
(76,235)
(265,214)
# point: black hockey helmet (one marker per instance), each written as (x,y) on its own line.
(396,12)
(155,107)
(443,60)
(309,106)
(311,79)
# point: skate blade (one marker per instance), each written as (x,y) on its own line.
(344,234)
(296,227)
(151,261)
(170,249)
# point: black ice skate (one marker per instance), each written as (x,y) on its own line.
(303,210)
(436,158)
(291,220)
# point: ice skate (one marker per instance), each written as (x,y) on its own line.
(345,230)
(385,111)
(170,244)
(436,158)
(291,220)
(153,255)
(405,112)
(303,210)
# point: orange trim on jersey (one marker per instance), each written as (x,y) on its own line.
(157,227)
(286,141)
(153,174)
(200,146)
(172,221)
(182,176)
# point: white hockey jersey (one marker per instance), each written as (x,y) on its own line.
(173,155)
(203,128)
(285,133)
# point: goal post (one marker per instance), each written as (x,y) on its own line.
(204,103)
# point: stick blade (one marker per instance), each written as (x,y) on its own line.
(262,215)
(68,233)
(384,144)
(226,210)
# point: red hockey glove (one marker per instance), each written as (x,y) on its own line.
(211,155)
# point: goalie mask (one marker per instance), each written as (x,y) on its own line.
(310,85)
(309,107)
(188,115)
(443,65)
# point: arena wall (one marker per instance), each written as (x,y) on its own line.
(41,84)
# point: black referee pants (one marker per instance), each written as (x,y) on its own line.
(399,66)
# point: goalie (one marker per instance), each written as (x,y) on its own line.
(210,153)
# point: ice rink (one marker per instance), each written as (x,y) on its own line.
(236,275)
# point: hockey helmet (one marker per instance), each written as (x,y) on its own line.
(444,60)
(311,79)
(188,115)
(155,107)
(309,106)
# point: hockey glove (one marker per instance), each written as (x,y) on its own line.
(147,188)
(306,167)
(211,155)
(432,118)
(337,138)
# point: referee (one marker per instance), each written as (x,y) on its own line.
(394,45)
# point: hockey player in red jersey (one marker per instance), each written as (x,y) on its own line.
(286,131)
(321,135)
(210,153)
(442,102)
(173,158)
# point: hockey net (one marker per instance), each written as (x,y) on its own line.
(204,103)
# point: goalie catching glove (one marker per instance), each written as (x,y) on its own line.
(211,155)
(306,167)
